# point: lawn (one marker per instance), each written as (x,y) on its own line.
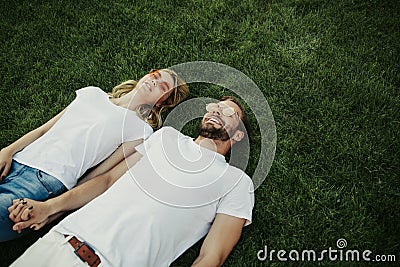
(329,70)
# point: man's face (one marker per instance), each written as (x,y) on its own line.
(221,120)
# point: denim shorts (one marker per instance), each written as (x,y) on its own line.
(24,182)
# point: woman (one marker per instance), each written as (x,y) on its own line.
(50,159)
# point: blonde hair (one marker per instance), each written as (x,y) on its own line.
(152,115)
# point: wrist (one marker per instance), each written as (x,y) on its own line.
(8,150)
(52,206)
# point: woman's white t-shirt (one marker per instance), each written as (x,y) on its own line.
(88,132)
(143,221)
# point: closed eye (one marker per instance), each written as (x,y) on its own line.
(164,87)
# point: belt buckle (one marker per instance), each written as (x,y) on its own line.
(82,245)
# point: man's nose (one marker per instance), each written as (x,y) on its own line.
(217,111)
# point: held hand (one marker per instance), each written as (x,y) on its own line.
(17,208)
(35,226)
(5,163)
(28,213)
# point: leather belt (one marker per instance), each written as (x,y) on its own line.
(84,252)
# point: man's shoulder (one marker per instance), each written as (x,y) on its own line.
(167,135)
(167,129)
(236,172)
(170,131)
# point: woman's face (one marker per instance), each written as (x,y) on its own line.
(155,87)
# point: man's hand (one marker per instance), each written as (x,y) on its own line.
(28,213)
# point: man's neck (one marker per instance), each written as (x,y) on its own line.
(221,147)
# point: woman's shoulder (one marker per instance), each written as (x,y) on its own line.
(89,90)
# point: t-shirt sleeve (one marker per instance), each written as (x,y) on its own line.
(239,202)
(135,129)
(88,90)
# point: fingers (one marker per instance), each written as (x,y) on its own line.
(20,226)
(15,203)
(34,226)
(37,226)
(18,208)
(17,211)
(2,173)
(5,170)
(26,214)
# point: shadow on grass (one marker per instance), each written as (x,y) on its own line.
(11,250)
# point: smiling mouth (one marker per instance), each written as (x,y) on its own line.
(214,121)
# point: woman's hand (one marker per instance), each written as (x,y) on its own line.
(5,163)
(28,213)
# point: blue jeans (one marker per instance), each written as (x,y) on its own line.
(24,182)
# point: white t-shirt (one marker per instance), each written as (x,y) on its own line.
(138,223)
(88,132)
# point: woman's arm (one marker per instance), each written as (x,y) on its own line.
(26,212)
(122,152)
(7,153)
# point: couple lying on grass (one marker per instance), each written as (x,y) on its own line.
(147,201)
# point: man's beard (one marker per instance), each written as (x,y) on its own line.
(209,131)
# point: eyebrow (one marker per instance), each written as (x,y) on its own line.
(157,74)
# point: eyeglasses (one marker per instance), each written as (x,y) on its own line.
(226,111)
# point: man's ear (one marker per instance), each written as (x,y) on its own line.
(238,136)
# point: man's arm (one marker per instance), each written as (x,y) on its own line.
(123,151)
(222,237)
(35,212)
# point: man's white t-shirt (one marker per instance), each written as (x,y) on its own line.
(88,132)
(163,204)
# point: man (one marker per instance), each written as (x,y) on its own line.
(176,191)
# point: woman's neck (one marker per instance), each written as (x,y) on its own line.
(128,101)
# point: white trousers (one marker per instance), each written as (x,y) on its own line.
(51,250)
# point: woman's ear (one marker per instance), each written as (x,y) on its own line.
(159,102)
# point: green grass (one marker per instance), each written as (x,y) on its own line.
(329,69)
